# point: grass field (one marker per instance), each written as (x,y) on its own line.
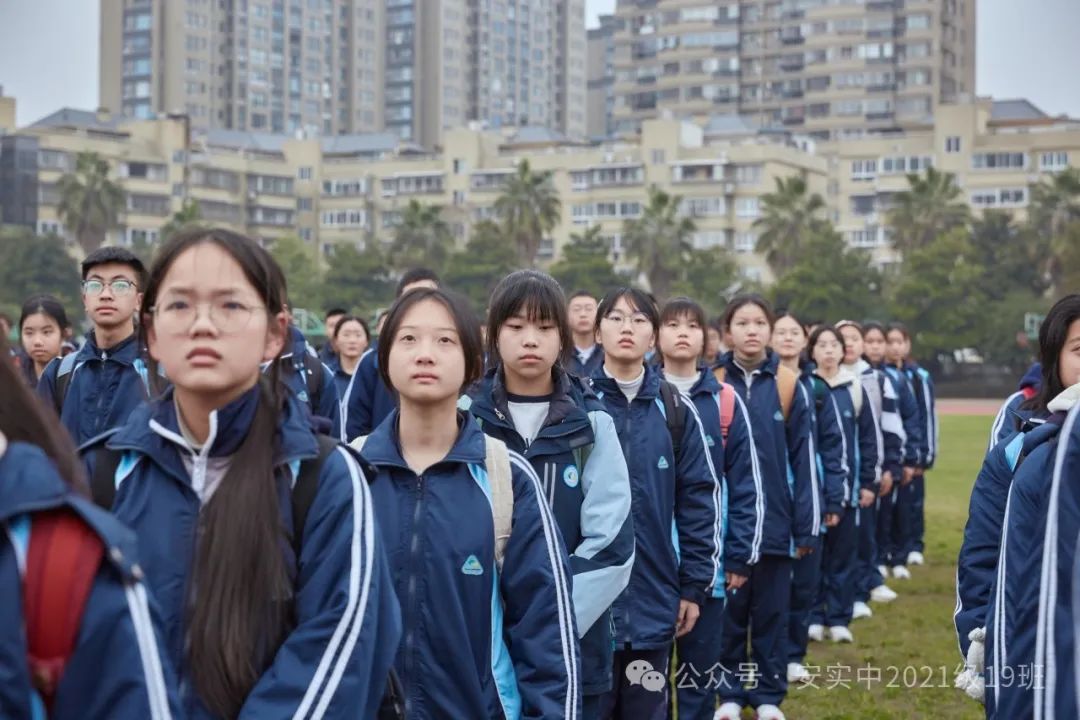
(910,641)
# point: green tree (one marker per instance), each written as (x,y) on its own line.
(709,277)
(528,208)
(829,280)
(790,214)
(1055,207)
(1014,255)
(941,294)
(932,205)
(358,280)
(302,272)
(659,241)
(585,264)
(487,258)
(422,239)
(90,203)
(31,264)
(188,214)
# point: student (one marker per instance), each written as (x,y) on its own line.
(367,401)
(1010,416)
(890,556)
(839,397)
(913,495)
(587,357)
(486,602)
(676,502)
(351,338)
(96,389)
(779,408)
(41,327)
(734,458)
(553,419)
(978,570)
(259,539)
(888,431)
(328,354)
(69,575)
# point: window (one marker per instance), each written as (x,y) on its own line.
(745,242)
(863,169)
(952,144)
(746,207)
(999,161)
(304,173)
(1051,161)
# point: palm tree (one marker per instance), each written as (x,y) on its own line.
(1053,214)
(90,202)
(422,238)
(660,241)
(528,207)
(932,206)
(790,215)
(187,215)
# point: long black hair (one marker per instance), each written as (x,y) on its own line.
(535,294)
(1053,334)
(24,418)
(237,618)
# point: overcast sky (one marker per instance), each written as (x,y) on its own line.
(49,49)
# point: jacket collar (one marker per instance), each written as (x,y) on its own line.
(383,447)
(154,427)
(772,362)
(125,352)
(650,384)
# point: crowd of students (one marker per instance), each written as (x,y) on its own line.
(530,517)
(1018,584)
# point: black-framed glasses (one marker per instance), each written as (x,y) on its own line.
(119,287)
(177,316)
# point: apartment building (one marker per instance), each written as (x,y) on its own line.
(337,67)
(353,188)
(829,69)
(995,150)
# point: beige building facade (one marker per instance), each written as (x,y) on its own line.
(830,69)
(352,189)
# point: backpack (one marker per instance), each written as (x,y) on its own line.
(62,560)
(103,490)
(786,380)
(675,414)
(497,464)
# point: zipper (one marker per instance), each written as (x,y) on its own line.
(414,552)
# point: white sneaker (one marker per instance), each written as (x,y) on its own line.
(728,711)
(883,594)
(861,610)
(840,634)
(900,572)
(769,712)
(915,558)
(797,673)
(883,571)
(816,633)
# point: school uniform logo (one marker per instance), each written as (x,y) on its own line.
(662,463)
(570,476)
(472,566)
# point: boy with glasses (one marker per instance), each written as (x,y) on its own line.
(95,389)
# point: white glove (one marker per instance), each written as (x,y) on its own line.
(971,679)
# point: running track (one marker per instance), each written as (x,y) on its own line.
(958,406)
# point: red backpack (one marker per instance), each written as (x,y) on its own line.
(62,560)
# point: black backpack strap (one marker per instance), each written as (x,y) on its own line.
(313,374)
(103,481)
(675,411)
(307,484)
